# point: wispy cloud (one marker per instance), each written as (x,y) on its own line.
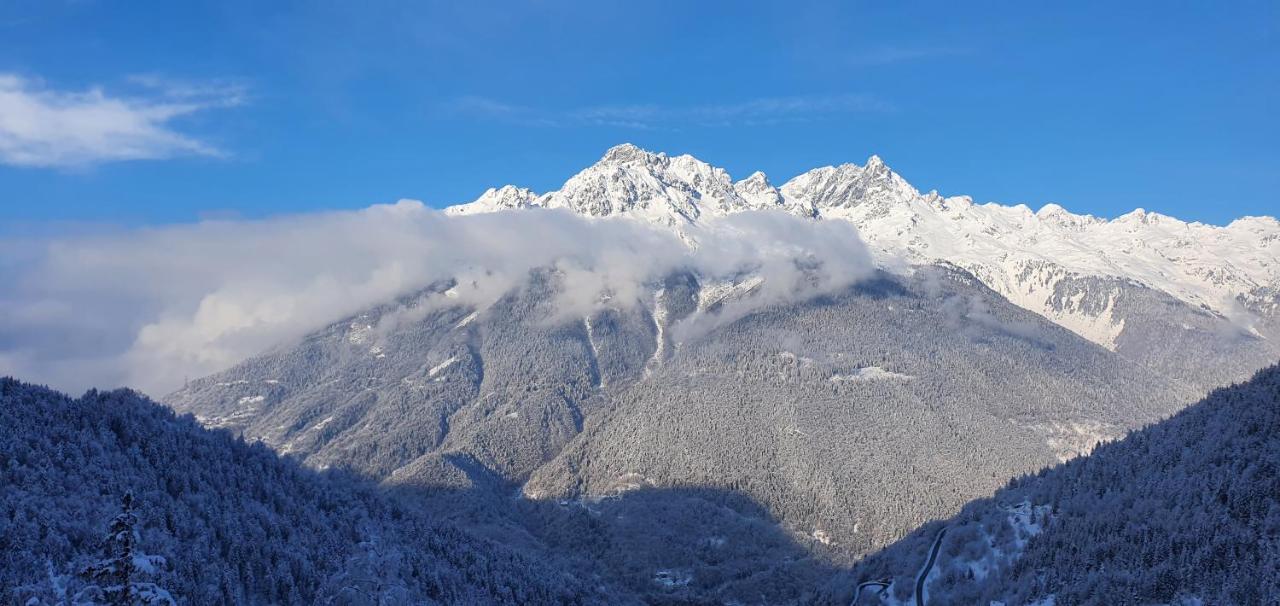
(765,110)
(892,55)
(148,307)
(44,127)
(484,107)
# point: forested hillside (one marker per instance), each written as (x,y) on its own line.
(806,416)
(821,411)
(1186,511)
(702,446)
(234,523)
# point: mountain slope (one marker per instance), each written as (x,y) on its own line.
(1097,278)
(236,523)
(815,409)
(1186,511)
(499,384)
(819,411)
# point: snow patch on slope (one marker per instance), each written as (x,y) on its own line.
(1070,439)
(718,293)
(438,368)
(869,374)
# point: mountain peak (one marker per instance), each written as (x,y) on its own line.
(999,242)
(757,180)
(671,191)
(850,185)
(1050,209)
(1055,214)
(759,194)
(1259,222)
(1138,216)
(626,152)
(496,199)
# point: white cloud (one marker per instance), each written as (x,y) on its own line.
(765,110)
(148,308)
(42,127)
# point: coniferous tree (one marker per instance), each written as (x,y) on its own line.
(117,579)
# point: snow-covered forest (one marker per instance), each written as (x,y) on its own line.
(233,522)
(1185,511)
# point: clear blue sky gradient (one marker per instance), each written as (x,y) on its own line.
(1101,107)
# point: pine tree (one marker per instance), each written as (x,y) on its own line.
(117,578)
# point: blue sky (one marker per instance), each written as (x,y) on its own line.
(157,112)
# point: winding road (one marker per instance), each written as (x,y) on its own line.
(883,584)
(924,572)
(920,578)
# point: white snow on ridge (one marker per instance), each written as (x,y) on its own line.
(1019,253)
(1071,439)
(714,293)
(868,374)
(493,200)
(467,320)
(435,370)
(1034,292)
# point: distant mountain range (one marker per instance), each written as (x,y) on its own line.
(1143,284)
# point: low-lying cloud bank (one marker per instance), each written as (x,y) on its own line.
(151,307)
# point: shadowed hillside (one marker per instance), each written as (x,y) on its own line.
(1186,511)
(236,523)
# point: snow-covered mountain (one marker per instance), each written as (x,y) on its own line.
(716,444)
(672,191)
(1083,272)
(501,198)
(638,438)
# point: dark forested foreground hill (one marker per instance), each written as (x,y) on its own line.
(234,523)
(1186,511)
(1183,512)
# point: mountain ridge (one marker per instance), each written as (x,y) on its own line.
(1077,270)
(628,153)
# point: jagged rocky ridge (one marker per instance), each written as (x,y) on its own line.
(1143,284)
